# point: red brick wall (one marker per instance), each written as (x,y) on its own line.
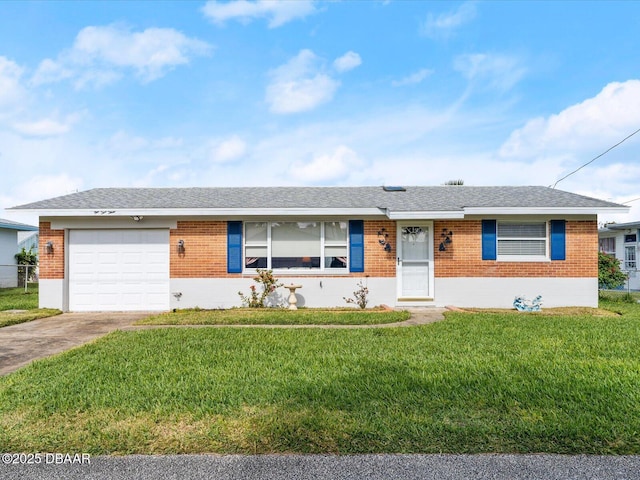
(205,254)
(377,262)
(463,257)
(51,265)
(205,250)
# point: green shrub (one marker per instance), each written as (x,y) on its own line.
(609,273)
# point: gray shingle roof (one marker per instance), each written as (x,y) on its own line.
(436,198)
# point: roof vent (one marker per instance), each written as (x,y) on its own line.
(393,188)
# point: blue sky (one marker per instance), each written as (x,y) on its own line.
(244,93)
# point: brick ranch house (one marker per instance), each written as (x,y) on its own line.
(160,248)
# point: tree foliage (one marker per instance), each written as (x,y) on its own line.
(26,257)
(609,273)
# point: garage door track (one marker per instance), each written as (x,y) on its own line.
(23,343)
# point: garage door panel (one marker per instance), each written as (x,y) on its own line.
(118,270)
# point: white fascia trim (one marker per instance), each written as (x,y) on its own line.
(544,210)
(210,212)
(424,215)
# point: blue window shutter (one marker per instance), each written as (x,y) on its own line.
(356,245)
(558,240)
(489,240)
(234,247)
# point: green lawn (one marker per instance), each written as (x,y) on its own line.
(276,316)
(475,382)
(18,299)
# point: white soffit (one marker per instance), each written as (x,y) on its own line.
(424,215)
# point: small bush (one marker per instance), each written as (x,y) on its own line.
(359,296)
(258,299)
(609,273)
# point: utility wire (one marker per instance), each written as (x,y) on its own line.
(630,201)
(594,159)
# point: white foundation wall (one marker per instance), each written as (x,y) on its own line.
(52,294)
(8,248)
(211,293)
(500,292)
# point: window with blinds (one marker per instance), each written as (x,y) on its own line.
(296,245)
(522,240)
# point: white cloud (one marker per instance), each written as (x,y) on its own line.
(348,61)
(599,121)
(497,71)
(49,186)
(299,85)
(101,55)
(11,90)
(413,79)
(276,11)
(331,167)
(41,128)
(50,71)
(228,150)
(168,143)
(122,142)
(36,188)
(444,24)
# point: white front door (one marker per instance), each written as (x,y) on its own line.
(415,262)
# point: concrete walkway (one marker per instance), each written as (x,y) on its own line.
(23,343)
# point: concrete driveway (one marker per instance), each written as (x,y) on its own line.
(23,343)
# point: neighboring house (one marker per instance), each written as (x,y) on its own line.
(28,241)
(8,248)
(620,240)
(163,248)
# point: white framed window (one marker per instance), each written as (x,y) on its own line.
(256,249)
(608,246)
(522,241)
(630,257)
(302,245)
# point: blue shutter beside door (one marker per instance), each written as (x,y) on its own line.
(234,247)
(489,240)
(356,245)
(558,240)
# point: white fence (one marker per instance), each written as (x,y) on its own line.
(12,276)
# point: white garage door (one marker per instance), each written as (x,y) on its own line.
(118,270)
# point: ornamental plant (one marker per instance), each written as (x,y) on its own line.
(609,274)
(359,296)
(258,295)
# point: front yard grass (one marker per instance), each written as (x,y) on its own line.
(18,299)
(276,316)
(475,382)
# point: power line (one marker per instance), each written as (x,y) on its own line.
(630,201)
(594,159)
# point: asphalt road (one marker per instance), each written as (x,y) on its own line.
(320,467)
